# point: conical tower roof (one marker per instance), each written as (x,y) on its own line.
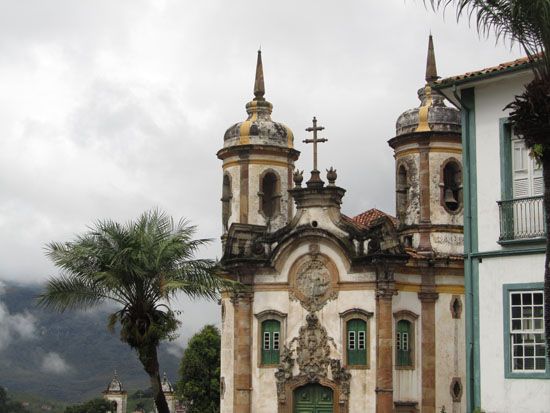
(259,128)
(432,115)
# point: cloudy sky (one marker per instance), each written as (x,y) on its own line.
(109,108)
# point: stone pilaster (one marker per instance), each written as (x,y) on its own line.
(424,183)
(428,299)
(243,204)
(242,338)
(384,351)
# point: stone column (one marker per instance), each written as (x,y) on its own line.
(384,350)
(428,299)
(242,362)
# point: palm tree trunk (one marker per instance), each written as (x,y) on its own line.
(149,360)
(546,177)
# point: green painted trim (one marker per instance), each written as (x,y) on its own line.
(539,240)
(508,373)
(505,133)
(471,265)
(508,252)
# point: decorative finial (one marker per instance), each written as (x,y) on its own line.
(331,176)
(259,88)
(298,177)
(431,69)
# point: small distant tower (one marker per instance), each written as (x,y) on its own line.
(428,162)
(258,161)
(115,393)
(169,393)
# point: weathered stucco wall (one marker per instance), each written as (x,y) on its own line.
(450,353)
(226,355)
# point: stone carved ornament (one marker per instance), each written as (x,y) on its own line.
(313,359)
(312,285)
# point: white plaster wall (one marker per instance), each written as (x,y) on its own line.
(490,99)
(499,394)
(363,383)
(226,356)
(407,383)
(450,353)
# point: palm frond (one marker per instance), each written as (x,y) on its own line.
(67,292)
(526,22)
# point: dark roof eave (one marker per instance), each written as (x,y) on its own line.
(454,82)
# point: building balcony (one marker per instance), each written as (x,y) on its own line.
(522,219)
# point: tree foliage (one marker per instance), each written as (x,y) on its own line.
(91,406)
(199,384)
(139,266)
(9,406)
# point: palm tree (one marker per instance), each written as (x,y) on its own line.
(526,22)
(138,266)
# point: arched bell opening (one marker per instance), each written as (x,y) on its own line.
(451,186)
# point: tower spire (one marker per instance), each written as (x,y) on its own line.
(259,88)
(431,69)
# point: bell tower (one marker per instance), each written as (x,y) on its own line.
(428,169)
(258,161)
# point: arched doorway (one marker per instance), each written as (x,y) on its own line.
(313,398)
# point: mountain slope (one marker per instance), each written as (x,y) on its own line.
(70,356)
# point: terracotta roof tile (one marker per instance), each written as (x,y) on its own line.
(493,70)
(366,218)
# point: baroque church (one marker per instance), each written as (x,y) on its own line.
(343,314)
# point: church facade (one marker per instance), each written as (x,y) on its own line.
(342,314)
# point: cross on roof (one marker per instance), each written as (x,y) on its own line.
(315,140)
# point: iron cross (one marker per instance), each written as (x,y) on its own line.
(315,140)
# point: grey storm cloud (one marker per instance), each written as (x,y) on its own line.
(55,364)
(14,326)
(110,108)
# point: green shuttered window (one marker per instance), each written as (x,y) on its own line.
(357,342)
(403,344)
(271,337)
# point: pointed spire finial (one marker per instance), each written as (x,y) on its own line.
(431,69)
(259,88)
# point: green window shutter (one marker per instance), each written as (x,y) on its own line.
(403,344)
(356,333)
(271,341)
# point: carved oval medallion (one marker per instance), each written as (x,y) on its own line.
(314,282)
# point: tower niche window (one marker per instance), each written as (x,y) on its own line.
(269,194)
(451,186)
(226,201)
(402,192)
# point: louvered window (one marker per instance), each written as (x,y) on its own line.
(271,332)
(526,173)
(357,342)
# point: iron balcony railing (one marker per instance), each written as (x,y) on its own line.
(522,218)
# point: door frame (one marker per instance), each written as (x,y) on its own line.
(294,383)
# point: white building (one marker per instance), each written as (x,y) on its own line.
(504,246)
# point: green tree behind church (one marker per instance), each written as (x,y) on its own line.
(526,22)
(138,266)
(199,384)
